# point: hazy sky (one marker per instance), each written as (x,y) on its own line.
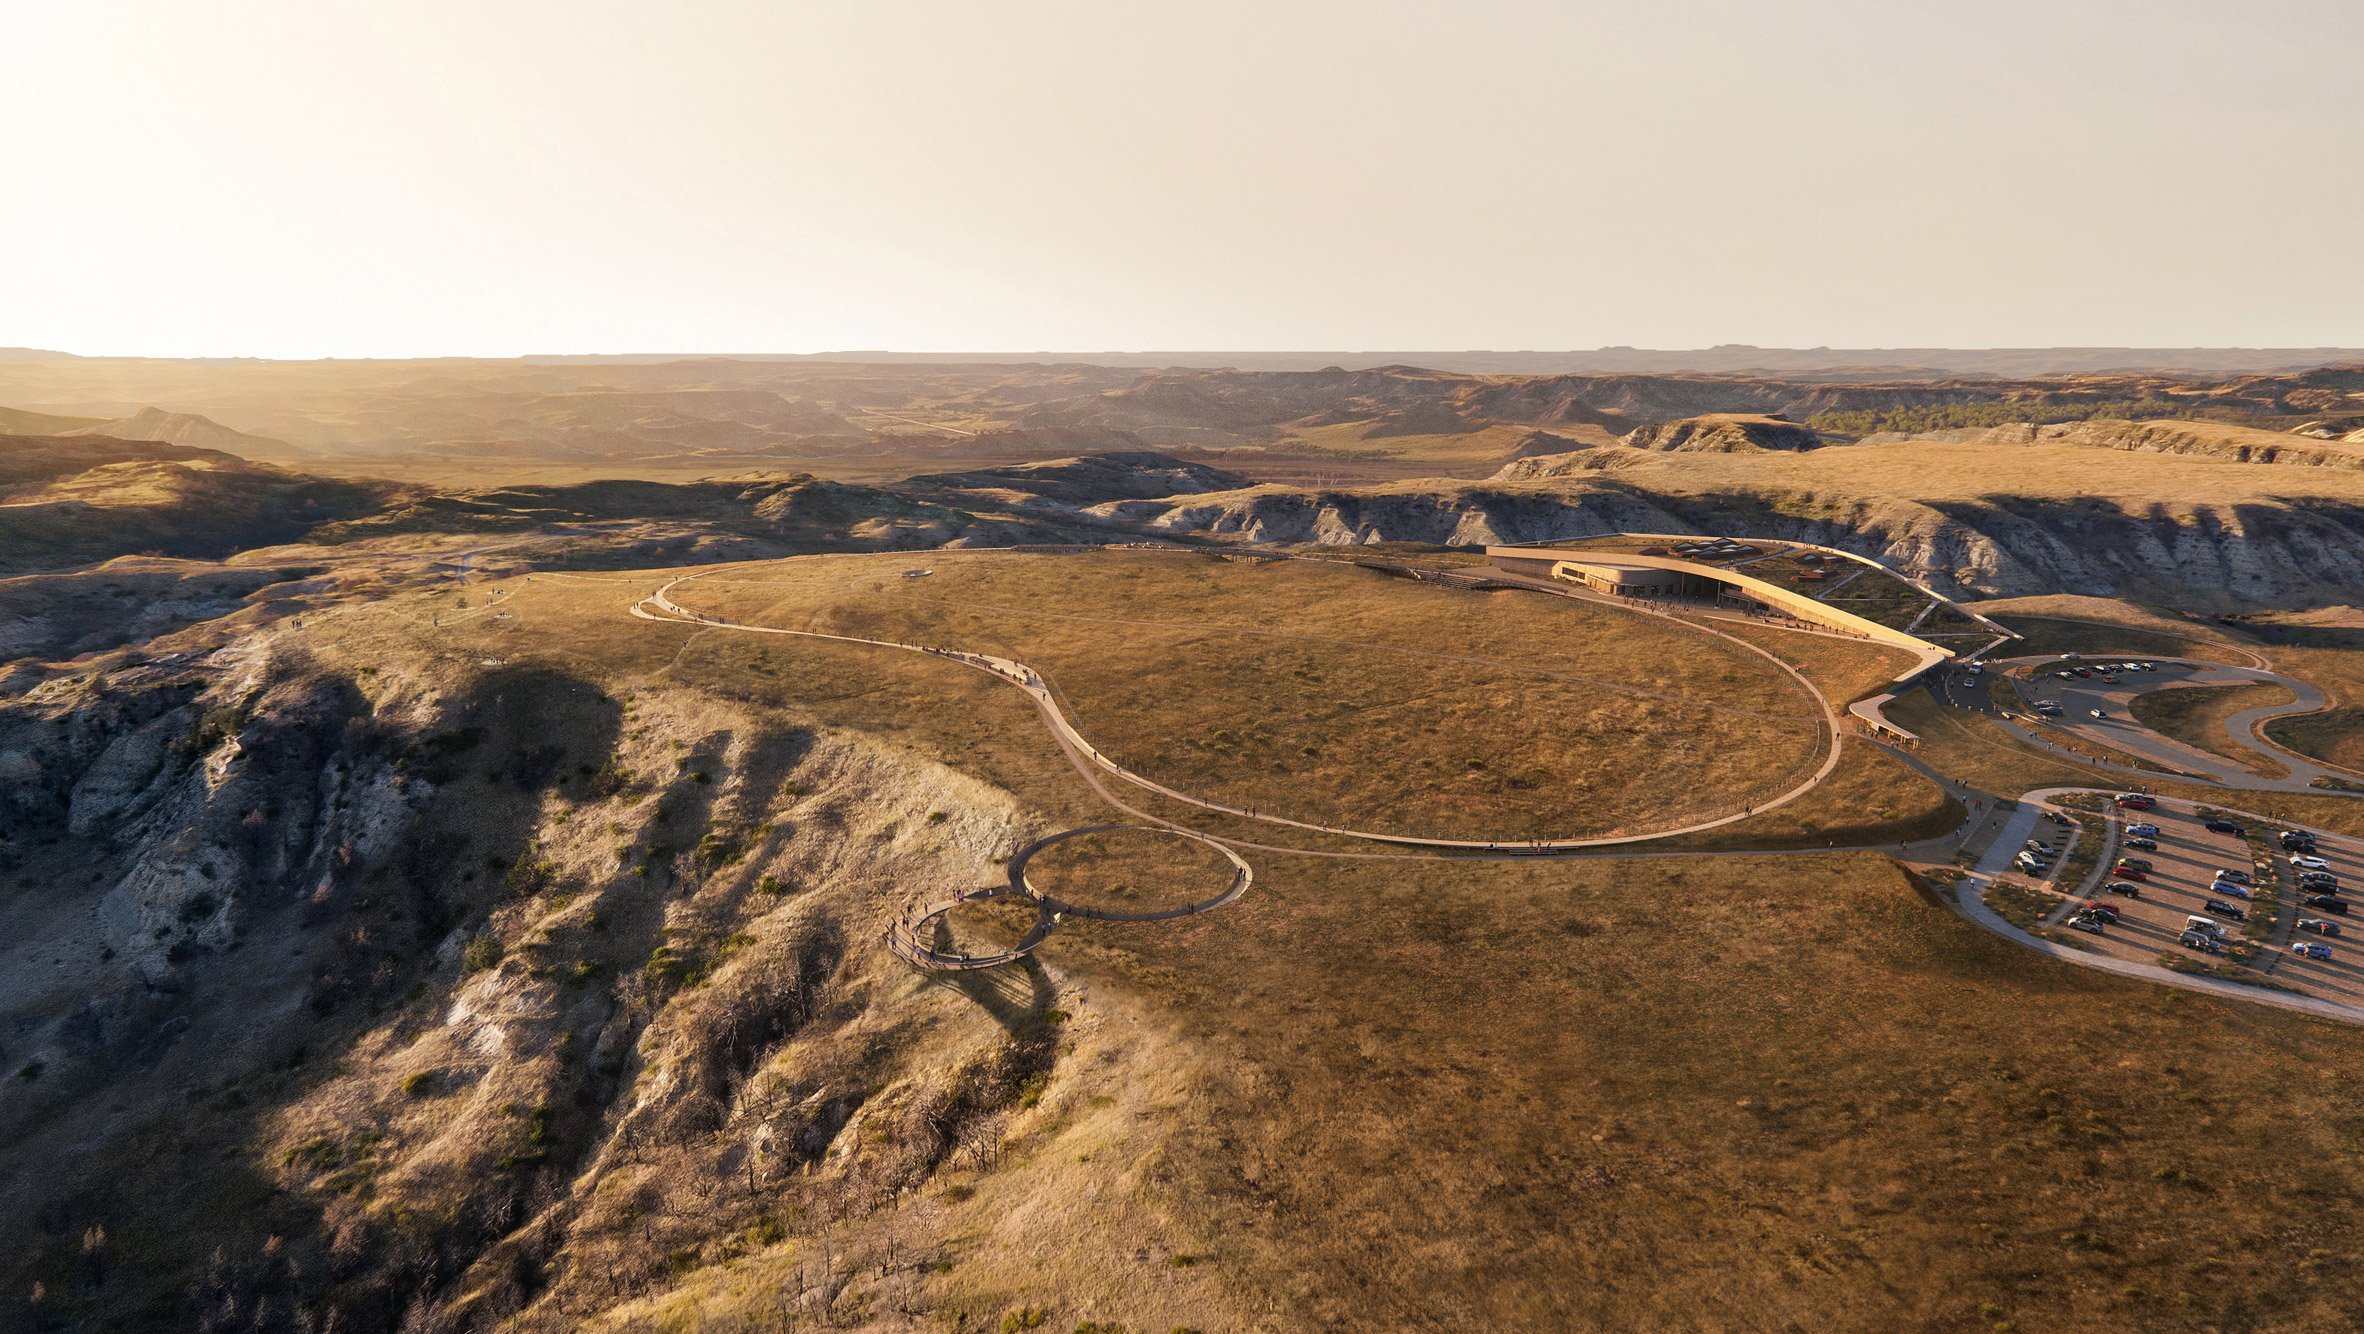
(309,177)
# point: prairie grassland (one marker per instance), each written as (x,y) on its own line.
(1474,452)
(1341,696)
(2334,736)
(2195,715)
(1431,1095)
(962,718)
(1740,1098)
(1871,798)
(1919,470)
(1617,1093)
(2050,635)
(1129,870)
(2331,657)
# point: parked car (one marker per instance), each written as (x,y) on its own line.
(2313,949)
(2233,888)
(2321,881)
(2092,925)
(2107,912)
(2101,713)
(2124,889)
(2307,862)
(2318,926)
(2145,844)
(2134,863)
(2130,872)
(2223,909)
(2297,840)
(2082,671)
(2196,940)
(2233,873)
(2226,827)
(2326,903)
(2143,829)
(2136,801)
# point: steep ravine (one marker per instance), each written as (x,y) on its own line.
(497,997)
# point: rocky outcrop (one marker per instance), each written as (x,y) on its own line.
(2201,556)
(2215,440)
(1573,463)
(1723,433)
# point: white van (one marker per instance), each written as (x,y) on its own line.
(2204,925)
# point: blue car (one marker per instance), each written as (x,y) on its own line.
(2313,949)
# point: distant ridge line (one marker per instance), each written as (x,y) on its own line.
(1737,359)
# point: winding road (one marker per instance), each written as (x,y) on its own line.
(2121,732)
(909,936)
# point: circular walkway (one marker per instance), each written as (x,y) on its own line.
(907,937)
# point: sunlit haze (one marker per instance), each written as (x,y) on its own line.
(279,179)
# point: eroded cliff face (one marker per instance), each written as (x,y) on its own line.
(2199,439)
(451,999)
(1725,433)
(2202,555)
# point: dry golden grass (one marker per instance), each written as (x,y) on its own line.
(1485,446)
(1924,469)
(2334,736)
(2047,635)
(2195,715)
(1871,798)
(1130,871)
(1729,1092)
(1739,1094)
(1340,696)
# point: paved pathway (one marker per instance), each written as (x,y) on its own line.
(907,937)
(661,606)
(2121,732)
(2018,819)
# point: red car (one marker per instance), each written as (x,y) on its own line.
(2131,873)
(2135,801)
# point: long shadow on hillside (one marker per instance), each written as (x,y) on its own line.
(1017,995)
